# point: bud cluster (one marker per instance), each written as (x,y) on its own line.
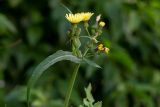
(75,31)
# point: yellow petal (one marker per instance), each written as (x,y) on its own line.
(74,18)
(86,16)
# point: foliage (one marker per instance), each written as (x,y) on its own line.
(33,30)
(50,60)
(89,100)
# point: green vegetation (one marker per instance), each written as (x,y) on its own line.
(31,30)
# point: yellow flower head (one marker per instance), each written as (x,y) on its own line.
(86,16)
(74,18)
(102,24)
(100,47)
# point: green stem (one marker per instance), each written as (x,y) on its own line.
(86,25)
(73,78)
(86,37)
(71,84)
(85,52)
(72,81)
(87,31)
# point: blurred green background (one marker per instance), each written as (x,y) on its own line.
(30,30)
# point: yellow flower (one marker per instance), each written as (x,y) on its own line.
(86,16)
(102,24)
(100,47)
(78,17)
(74,18)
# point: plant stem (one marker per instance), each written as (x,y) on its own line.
(85,52)
(86,37)
(71,84)
(86,25)
(72,81)
(87,31)
(74,75)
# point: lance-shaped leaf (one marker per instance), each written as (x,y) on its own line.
(91,63)
(45,64)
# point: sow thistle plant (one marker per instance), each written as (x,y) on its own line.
(77,55)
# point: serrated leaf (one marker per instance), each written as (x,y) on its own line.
(89,94)
(91,63)
(98,104)
(45,64)
(86,103)
(89,100)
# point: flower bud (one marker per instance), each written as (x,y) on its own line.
(78,31)
(106,50)
(98,18)
(101,24)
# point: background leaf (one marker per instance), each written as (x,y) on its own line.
(31,30)
(6,25)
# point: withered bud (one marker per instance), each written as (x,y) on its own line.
(98,18)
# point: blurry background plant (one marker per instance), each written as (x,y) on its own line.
(31,30)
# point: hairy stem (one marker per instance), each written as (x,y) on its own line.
(71,84)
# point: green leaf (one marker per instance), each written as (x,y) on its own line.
(98,104)
(122,56)
(6,25)
(89,94)
(86,102)
(45,64)
(34,34)
(89,100)
(91,63)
